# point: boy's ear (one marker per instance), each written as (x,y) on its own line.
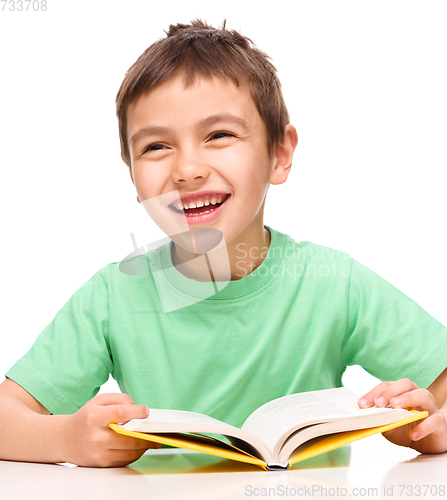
(283,156)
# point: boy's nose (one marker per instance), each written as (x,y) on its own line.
(188,167)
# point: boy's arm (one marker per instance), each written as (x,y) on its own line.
(429,436)
(29,433)
(10,388)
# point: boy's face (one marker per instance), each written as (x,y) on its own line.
(205,138)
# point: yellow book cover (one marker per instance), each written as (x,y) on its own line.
(278,434)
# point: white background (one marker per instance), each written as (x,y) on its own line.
(365,87)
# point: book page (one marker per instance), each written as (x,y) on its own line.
(272,421)
(158,419)
(169,421)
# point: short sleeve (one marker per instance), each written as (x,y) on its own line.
(70,359)
(389,334)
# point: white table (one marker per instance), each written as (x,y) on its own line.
(377,468)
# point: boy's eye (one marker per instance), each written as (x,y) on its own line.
(219,135)
(153,147)
(157,146)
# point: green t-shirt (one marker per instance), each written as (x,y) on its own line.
(292,325)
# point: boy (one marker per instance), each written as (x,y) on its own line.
(204,131)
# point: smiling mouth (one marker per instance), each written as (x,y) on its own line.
(199,210)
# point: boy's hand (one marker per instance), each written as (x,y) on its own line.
(89,442)
(428,436)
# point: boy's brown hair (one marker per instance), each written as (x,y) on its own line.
(201,50)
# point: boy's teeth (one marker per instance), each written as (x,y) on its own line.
(203,201)
(203,213)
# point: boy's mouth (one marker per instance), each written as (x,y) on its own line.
(207,206)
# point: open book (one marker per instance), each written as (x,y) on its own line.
(276,435)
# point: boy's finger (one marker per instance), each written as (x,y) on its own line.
(122,413)
(131,443)
(398,388)
(381,394)
(430,425)
(417,398)
(368,399)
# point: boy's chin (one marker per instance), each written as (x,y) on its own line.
(199,241)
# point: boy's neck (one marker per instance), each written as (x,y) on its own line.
(245,254)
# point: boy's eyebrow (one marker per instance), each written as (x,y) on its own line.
(222,118)
(206,122)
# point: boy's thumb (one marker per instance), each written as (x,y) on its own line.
(123,413)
